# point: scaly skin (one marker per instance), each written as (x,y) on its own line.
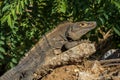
(47,47)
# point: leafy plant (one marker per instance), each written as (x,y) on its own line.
(23,22)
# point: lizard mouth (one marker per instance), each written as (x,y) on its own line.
(92,24)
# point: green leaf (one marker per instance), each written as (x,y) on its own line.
(106,16)
(22,4)
(26,2)
(1,56)
(17,8)
(102,20)
(5,8)
(2,49)
(100,11)
(4,19)
(2,38)
(20,9)
(14,60)
(13,14)
(9,21)
(117,4)
(11,65)
(117,31)
(63,7)
(98,1)
(86,10)
(2,43)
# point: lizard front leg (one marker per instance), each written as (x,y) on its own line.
(71,44)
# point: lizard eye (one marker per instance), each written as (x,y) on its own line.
(83,24)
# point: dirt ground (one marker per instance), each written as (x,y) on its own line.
(85,71)
(68,72)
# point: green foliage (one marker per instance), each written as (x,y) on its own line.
(59,6)
(23,22)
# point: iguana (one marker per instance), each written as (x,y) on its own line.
(63,37)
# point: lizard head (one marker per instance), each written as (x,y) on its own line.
(78,29)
